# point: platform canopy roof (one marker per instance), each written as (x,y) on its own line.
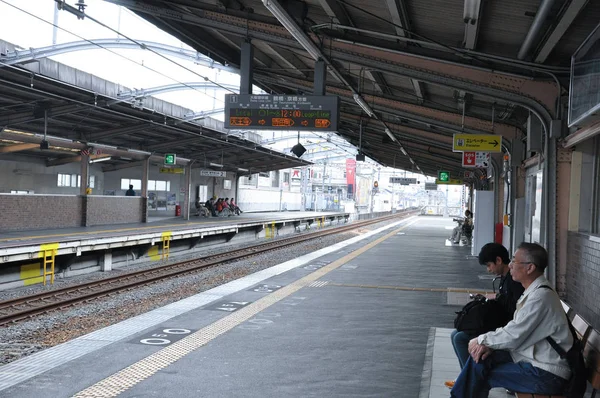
(84,113)
(426,69)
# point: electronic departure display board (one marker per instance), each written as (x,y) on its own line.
(281,112)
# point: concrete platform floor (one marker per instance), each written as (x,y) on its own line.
(368,317)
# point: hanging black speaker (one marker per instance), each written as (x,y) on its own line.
(298,149)
(360,157)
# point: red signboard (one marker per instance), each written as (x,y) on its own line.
(468,159)
(351,174)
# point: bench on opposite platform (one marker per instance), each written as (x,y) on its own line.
(590,338)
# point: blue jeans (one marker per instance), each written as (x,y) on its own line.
(460,343)
(499,370)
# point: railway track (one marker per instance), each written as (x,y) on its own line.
(30,306)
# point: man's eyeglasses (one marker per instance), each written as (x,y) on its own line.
(512,261)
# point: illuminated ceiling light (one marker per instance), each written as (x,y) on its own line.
(389,133)
(471,11)
(242,169)
(365,107)
(215,165)
(403,151)
(284,19)
(104,159)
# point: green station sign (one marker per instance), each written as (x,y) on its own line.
(170,159)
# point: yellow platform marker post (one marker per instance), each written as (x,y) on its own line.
(48,254)
(166,245)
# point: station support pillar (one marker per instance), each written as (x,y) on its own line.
(106,261)
(145,175)
(85,172)
(188,191)
(564,179)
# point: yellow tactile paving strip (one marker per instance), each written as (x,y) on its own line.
(127,378)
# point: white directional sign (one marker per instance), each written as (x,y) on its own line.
(402,180)
(430,186)
(212,173)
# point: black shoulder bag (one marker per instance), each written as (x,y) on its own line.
(480,316)
(577,384)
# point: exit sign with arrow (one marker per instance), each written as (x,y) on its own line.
(477,143)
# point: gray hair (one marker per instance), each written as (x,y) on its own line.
(536,254)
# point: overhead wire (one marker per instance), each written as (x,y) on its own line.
(123,56)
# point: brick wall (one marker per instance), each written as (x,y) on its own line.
(26,212)
(583,276)
(102,210)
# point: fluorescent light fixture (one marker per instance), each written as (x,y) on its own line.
(100,159)
(471,11)
(412,161)
(403,151)
(284,18)
(241,169)
(389,133)
(365,107)
(215,165)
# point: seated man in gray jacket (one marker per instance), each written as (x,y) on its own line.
(517,356)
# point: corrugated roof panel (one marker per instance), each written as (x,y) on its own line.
(439,20)
(505,25)
(579,30)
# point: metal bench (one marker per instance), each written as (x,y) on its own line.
(591,352)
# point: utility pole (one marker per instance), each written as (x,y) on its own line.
(323,185)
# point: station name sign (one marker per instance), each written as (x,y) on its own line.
(282,112)
(213,173)
(402,180)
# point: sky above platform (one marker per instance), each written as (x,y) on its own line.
(29,24)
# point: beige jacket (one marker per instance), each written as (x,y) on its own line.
(539,314)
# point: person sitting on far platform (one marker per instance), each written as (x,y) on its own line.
(495,257)
(233,207)
(210,205)
(130,191)
(517,356)
(463,229)
(202,209)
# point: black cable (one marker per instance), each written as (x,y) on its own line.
(120,55)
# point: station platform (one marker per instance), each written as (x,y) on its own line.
(367,317)
(24,245)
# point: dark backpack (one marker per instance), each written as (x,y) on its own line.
(577,384)
(480,316)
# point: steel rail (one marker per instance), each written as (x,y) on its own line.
(29,306)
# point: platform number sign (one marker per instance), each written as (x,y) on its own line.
(170,159)
(443,176)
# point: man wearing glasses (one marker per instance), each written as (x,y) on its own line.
(517,356)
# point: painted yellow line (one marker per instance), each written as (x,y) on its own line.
(414,289)
(127,378)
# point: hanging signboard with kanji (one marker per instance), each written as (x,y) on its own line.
(477,143)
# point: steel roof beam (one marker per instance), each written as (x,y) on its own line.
(24,56)
(535,28)
(567,18)
(288,59)
(399,15)
(145,92)
(18,148)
